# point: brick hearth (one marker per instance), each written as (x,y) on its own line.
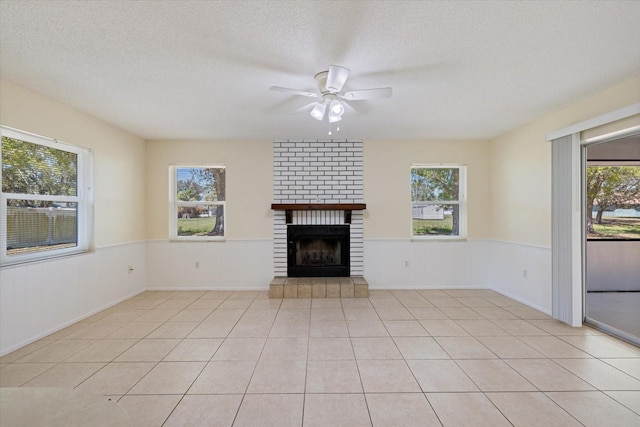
(319,287)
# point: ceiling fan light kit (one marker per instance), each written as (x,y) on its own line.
(336,107)
(318,110)
(330,83)
(333,117)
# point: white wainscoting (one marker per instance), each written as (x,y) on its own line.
(229,265)
(463,264)
(472,264)
(37,299)
(507,264)
(405,264)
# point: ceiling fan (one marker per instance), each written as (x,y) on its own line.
(330,84)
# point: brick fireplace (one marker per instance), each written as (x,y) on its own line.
(317,189)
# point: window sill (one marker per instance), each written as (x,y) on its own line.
(6,263)
(438,239)
(197,239)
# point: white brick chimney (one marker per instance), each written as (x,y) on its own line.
(317,172)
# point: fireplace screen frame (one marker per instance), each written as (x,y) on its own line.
(297,232)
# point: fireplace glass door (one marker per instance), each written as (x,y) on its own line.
(318,251)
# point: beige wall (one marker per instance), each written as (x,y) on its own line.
(249,183)
(119,158)
(387,194)
(509,178)
(520,168)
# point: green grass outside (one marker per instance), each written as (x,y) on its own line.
(616,228)
(433,227)
(195,226)
(625,228)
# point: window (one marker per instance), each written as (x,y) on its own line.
(197,203)
(438,202)
(46,199)
(613,200)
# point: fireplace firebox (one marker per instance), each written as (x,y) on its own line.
(318,251)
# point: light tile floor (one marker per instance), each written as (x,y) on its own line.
(399,358)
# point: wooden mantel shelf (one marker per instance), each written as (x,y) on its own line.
(318,206)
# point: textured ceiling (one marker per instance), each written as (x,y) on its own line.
(202,69)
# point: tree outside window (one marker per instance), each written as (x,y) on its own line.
(613,201)
(199,202)
(438,203)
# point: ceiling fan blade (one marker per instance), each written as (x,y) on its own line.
(348,107)
(357,95)
(294,91)
(305,108)
(336,78)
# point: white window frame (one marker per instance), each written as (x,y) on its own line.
(174,204)
(83,200)
(462,202)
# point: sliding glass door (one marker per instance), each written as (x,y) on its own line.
(611,189)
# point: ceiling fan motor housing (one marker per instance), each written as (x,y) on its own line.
(326,94)
(321,80)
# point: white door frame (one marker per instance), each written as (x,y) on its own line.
(568,277)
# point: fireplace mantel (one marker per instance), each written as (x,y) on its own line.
(318,206)
(288,208)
